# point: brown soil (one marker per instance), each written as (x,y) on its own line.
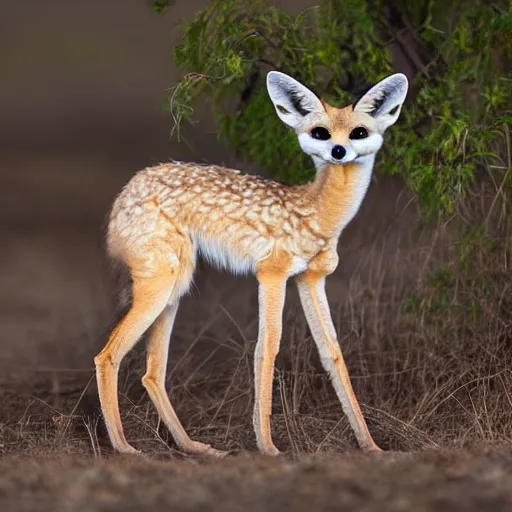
(440,481)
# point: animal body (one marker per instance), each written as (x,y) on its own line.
(169,214)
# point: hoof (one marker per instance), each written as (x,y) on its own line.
(198,448)
(127,449)
(372,449)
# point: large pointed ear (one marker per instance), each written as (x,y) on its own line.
(291,99)
(384,100)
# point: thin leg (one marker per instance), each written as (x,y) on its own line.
(149,299)
(154,382)
(271,303)
(316,308)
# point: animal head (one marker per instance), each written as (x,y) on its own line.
(337,135)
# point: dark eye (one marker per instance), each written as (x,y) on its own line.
(320,133)
(359,133)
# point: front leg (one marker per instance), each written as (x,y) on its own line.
(272,289)
(311,287)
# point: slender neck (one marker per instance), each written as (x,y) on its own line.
(338,192)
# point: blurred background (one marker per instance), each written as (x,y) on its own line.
(83,92)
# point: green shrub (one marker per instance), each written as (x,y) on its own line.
(455,121)
(453,135)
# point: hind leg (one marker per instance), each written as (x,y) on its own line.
(154,282)
(154,382)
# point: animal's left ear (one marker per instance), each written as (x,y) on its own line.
(384,100)
(292,100)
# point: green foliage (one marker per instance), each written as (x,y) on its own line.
(452,128)
(159,5)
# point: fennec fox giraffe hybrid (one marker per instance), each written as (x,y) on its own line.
(168,214)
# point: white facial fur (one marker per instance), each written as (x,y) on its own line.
(321,150)
(302,110)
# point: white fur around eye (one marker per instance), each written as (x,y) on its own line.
(313,146)
(370,144)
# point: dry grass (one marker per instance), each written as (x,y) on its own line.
(424,380)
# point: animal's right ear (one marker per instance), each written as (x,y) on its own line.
(384,100)
(291,99)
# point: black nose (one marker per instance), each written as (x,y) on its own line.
(338,152)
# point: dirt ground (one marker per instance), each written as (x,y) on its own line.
(441,481)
